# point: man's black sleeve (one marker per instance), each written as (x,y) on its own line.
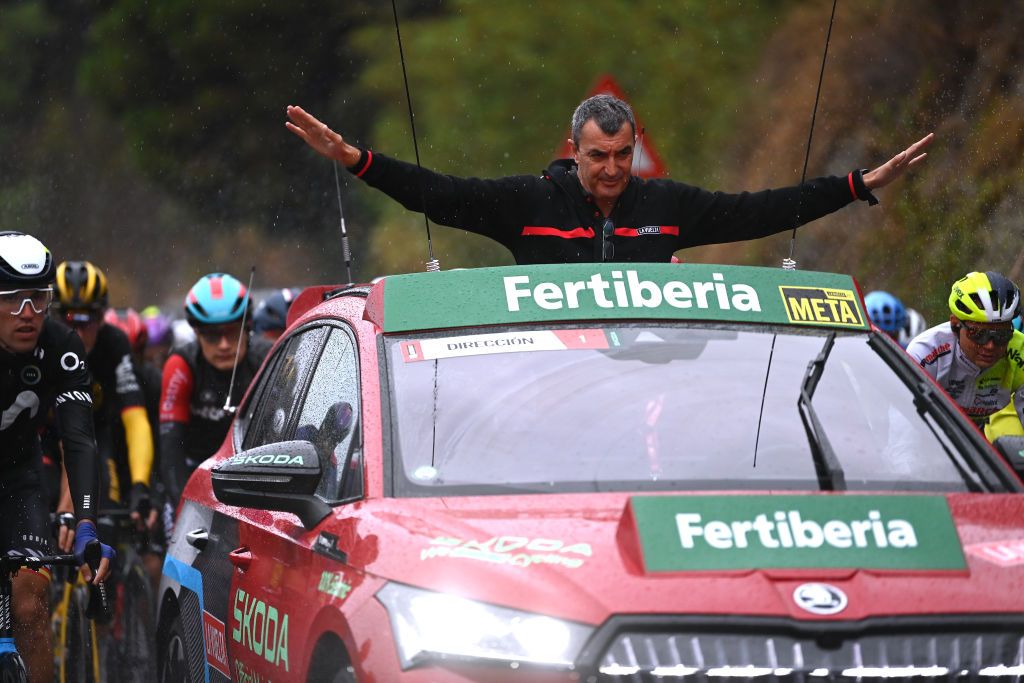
(488,206)
(717,217)
(73,411)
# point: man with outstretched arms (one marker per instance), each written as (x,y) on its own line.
(977,357)
(123,432)
(590,208)
(197,377)
(42,365)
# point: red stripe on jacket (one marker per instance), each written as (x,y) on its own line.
(538,230)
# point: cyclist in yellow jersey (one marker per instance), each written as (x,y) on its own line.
(1010,420)
(122,426)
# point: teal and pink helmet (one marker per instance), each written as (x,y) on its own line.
(216,299)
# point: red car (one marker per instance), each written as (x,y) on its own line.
(594,472)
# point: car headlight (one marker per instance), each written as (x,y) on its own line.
(429,625)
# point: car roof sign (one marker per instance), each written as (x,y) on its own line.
(605,291)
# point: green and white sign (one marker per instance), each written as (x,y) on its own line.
(706,533)
(598,291)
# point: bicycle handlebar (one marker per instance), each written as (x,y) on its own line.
(12,563)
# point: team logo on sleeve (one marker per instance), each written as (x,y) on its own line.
(76,396)
(125,376)
(71,362)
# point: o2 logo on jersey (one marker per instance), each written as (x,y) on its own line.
(31,374)
(71,362)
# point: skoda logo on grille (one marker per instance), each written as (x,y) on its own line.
(820,598)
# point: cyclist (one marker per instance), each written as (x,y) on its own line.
(197,377)
(136,328)
(43,366)
(271,314)
(159,336)
(914,326)
(977,357)
(123,431)
(886,311)
(1010,420)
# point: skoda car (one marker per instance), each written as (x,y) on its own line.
(595,473)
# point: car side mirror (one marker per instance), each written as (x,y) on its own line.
(279,476)
(1012,448)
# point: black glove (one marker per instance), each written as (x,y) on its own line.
(63,519)
(139,500)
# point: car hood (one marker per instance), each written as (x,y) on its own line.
(582,557)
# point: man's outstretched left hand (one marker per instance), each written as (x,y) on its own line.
(899,164)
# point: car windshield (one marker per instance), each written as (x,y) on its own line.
(653,407)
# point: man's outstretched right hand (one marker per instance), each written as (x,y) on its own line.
(320,137)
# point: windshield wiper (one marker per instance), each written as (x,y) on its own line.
(830,472)
(943,425)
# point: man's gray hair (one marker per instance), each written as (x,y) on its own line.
(608,112)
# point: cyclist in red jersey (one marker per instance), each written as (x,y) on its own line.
(197,377)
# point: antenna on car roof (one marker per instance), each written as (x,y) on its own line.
(788,263)
(346,253)
(433,264)
(238,347)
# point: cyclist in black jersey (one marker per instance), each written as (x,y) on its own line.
(123,431)
(197,376)
(135,328)
(42,365)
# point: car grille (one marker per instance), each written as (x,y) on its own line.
(885,651)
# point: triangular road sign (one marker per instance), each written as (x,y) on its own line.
(646,162)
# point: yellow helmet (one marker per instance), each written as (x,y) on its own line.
(984,298)
(81,286)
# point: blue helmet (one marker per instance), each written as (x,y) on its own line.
(1017,324)
(215,299)
(272,313)
(885,311)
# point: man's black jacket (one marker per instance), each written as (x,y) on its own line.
(551,219)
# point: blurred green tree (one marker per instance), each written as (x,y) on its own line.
(200,89)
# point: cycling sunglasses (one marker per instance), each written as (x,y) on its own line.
(14,301)
(982,336)
(212,334)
